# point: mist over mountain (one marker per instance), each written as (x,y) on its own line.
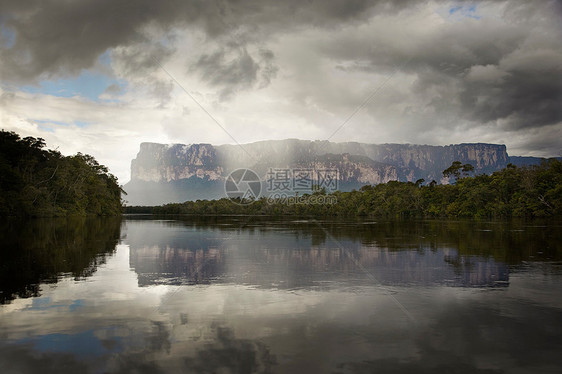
(164,173)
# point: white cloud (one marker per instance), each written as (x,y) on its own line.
(459,79)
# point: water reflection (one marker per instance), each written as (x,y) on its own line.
(41,250)
(232,296)
(281,254)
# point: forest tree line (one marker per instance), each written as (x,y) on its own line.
(534,191)
(39,182)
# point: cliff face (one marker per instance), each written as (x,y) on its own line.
(352,168)
(428,162)
(367,163)
(165,163)
(206,166)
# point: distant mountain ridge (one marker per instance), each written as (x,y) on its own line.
(164,173)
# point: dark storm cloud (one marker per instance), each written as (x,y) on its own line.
(233,69)
(524,99)
(139,60)
(55,37)
(488,70)
(142,58)
(60,37)
(502,68)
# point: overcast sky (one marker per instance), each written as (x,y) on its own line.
(102,76)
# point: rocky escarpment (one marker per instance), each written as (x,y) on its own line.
(169,173)
(352,168)
(162,162)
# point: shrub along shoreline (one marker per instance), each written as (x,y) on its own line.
(526,192)
(37,182)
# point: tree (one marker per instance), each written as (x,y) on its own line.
(467,169)
(512,192)
(456,169)
(39,182)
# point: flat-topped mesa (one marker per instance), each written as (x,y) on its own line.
(380,162)
(175,173)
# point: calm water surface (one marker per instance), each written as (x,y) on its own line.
(240,295)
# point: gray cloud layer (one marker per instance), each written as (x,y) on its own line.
(505,69)
(61,37)
(232,68)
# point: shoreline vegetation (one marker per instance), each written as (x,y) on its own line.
(513,192)
(36,182)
